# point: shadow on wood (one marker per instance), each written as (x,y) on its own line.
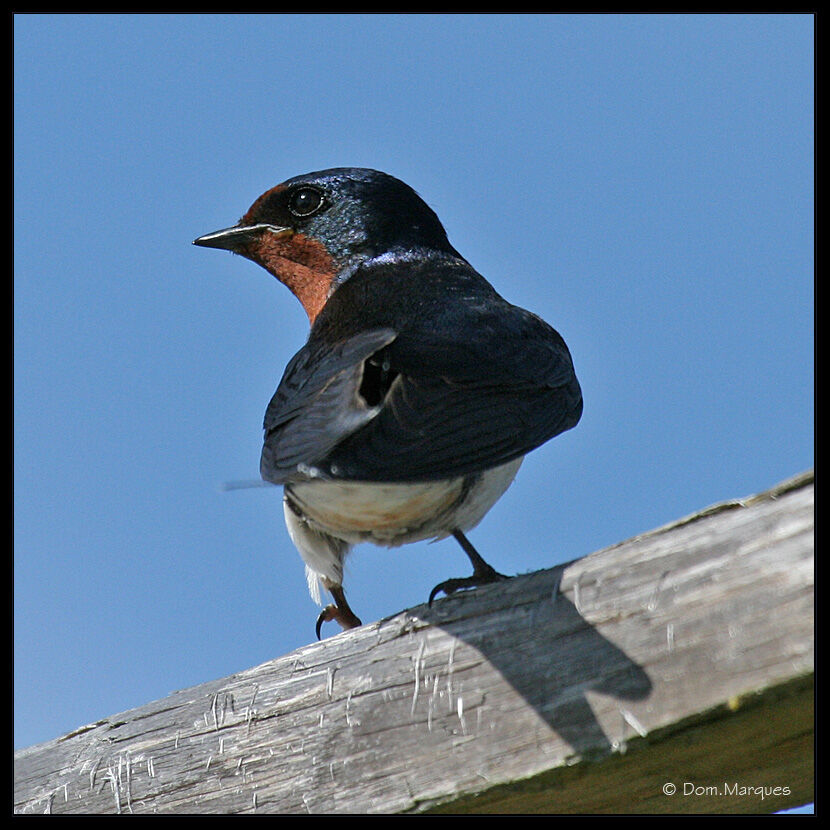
(550,655)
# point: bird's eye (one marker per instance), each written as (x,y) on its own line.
(305,201)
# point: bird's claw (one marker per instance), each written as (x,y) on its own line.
(344,616)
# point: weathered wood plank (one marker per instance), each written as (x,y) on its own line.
(683,656)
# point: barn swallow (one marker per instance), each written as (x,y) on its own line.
(406,414)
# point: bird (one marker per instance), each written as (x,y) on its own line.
(406,414)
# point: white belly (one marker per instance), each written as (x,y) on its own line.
(394,514)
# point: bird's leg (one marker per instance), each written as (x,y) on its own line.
(483,574)
(340,611)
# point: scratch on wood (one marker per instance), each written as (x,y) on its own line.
(350,721)
(417,676)
(431,703)
(129,783)
(93,771)
(213,712)
(577,603)
(330,682)
(250,708)
(450,669)
(653,600)
(635,724)
(251,712)
(113,782)
(460,711)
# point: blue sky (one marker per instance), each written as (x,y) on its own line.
(645,184)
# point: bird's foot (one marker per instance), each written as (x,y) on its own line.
(339,611)
(480,577)
(483,574)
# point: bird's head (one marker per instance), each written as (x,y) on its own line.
(311,232)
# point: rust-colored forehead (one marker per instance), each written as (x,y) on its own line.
(256,207)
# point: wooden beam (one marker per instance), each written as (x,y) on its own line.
(681,658)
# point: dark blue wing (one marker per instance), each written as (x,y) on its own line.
(437,406)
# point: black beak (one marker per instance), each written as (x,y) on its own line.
(238,237)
